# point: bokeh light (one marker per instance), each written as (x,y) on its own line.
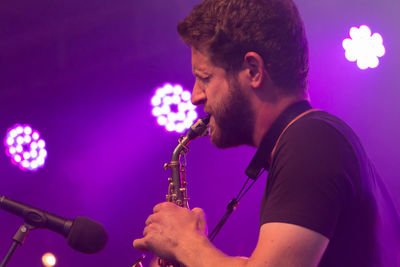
(25,147)
(172,108)
(48,259)
(364,47)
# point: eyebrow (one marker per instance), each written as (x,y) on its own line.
(198,71)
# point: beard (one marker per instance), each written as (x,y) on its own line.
(232,120)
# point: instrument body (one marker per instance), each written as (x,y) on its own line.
(177,185)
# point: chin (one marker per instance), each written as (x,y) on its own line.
(223,141)
(215,138)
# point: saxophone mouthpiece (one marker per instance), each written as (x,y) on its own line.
(199,128)
(206,119)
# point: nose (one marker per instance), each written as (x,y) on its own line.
(198,95)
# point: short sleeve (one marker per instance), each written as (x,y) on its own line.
(309,182)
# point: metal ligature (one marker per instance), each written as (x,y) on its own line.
(177,188)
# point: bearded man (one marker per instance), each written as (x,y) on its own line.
(323,204)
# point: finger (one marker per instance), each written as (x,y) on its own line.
(145,231)
(163,205)
(140,244)
(158,207)
(151,219)
(151,228)
(201,220)
(199,211)
(201,215)
(148,221)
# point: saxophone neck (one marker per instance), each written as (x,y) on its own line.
(198,129)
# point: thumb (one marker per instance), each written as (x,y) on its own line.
(201,220)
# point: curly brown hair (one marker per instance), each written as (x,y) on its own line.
(228,29)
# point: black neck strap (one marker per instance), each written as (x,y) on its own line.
(262,157)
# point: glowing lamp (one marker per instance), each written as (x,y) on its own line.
(172,108)
(364,47)
(48,259)
(25,147)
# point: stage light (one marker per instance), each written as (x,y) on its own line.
(48,259)
(25,147)
(172,108)
(364,47)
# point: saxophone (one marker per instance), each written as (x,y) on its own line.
(177,188)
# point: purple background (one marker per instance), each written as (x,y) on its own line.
(83,73)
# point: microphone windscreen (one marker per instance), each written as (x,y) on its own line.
(87,236)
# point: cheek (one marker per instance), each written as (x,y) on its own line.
(218,92)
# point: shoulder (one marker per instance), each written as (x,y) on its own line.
(312,174)
(317,145)
(319,124)
(316,134)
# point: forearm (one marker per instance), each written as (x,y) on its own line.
(202,253)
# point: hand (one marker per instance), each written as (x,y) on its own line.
(170,229)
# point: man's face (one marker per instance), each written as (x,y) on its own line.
(224,99)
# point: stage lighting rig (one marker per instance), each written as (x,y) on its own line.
(172,108)
(25,147)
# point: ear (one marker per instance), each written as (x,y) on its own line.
(255,69)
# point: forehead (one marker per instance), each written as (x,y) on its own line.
(201,61)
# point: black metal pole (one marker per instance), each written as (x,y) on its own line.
(18,239)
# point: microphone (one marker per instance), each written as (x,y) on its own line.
(83,234)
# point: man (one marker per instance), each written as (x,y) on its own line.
(323,204)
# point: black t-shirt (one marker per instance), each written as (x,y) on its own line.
(320,178)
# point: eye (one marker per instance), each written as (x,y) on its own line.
(204,79)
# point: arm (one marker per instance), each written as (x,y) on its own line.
(282,244)
(179,234)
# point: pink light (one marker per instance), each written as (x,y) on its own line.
(186,96)
(162,120)
(20,140)
(156,100)
(26,155)
(13,133)
(19,129)
(27,139)
(34,145)
(35,135)
(41,144)
(12,150)
(172,108)
(28,130)
(34,154)
(17,158)
(364,47)
(10,141)
(22,149)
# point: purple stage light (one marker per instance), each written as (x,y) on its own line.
(172,108)
(25,147)
(364,47)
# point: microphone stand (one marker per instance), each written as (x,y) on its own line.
(18,239)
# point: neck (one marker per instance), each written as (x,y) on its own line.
(268,112)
